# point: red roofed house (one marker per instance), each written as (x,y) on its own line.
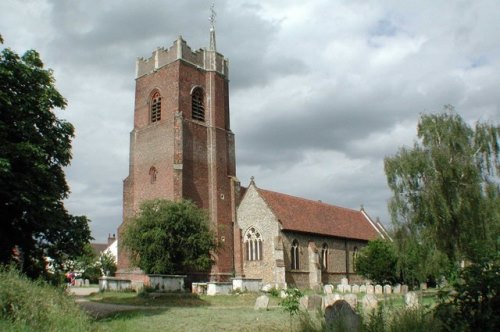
(295,241)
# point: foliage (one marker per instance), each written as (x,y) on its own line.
(446,193)
(27,305)
(474,305)
(170,237)
(34,147)
(107,264)
(377,262)
(290,302)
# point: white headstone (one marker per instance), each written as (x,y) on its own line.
(397,289)
(411,300)
(347,288)
(423,286)
(370,302)
(328,289)
(344,281)
(267,288)
(378,289)
(362,289)
(387,289)
(404,289)
(370,289)
(355,289)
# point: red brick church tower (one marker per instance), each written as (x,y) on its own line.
(182,145)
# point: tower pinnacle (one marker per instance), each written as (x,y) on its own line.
(212,28)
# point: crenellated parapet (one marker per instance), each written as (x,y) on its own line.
(203,58)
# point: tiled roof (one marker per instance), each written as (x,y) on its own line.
(303,215)
(98,247)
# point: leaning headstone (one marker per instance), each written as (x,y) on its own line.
(387,289)
(328,289)
(355,289)
(352,299)
(370,302)
(378,289)
(411,300)
(362,289)
(370,289)
(423,286)
(262,302)
(397,289)
(314,302)
(404,289)
(341,316)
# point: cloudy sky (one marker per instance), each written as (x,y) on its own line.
(321,91)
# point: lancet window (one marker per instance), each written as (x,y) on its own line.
(155,107)
(197,108)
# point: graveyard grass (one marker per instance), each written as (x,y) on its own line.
(235,312)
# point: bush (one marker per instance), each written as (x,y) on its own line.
(27,305)
(474,305)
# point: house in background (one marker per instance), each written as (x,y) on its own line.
(111,246)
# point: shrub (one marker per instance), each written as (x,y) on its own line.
(27,305)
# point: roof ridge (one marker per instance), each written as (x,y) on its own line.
(309,200)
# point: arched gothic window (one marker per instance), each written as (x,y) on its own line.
(155,107)
(354,257)
(152,174)
(253,245)
(197,108)
(324,257)
(294,255)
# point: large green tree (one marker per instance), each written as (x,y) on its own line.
(169,237)
(34,147)
(377,262)
(445,187)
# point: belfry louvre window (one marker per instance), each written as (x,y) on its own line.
(198,110)
(253,245)
(294,255)
(155,107)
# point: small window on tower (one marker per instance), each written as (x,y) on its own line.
(155,107)
(197,108)
(152,174)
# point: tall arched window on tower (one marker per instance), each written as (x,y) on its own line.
(155,107)
(294,255)
(197,108)
(324,257)
(253,245)
(152,174)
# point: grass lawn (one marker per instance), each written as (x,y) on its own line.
(187,312)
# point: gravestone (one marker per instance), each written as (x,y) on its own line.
(347,288)
(283,294)
(314,302)
(355,289)
(344,281)
(411,300)
(262,302)
(404,289)
(330,299)
(341,316)
(370,302)
(328,289)
(387,289)
(397,289)
(267,288)
(423,286)
(370,289)
(340,288)
(87,282)
(378,289)
(362,289)
(352,299)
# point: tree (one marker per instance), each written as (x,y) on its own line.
(34,147)
(445,188)
(168,237)
(377,262)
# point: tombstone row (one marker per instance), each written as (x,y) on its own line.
(368,289)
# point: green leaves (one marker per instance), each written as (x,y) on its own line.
(445,187)
(170,237)
(34,147)
(377,261)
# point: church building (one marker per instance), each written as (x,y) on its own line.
(182,147)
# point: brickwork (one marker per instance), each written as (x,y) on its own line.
(193,159)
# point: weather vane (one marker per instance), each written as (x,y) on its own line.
(212,16)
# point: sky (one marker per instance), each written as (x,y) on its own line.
(321,91)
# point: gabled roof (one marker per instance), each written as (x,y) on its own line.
(303,215)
